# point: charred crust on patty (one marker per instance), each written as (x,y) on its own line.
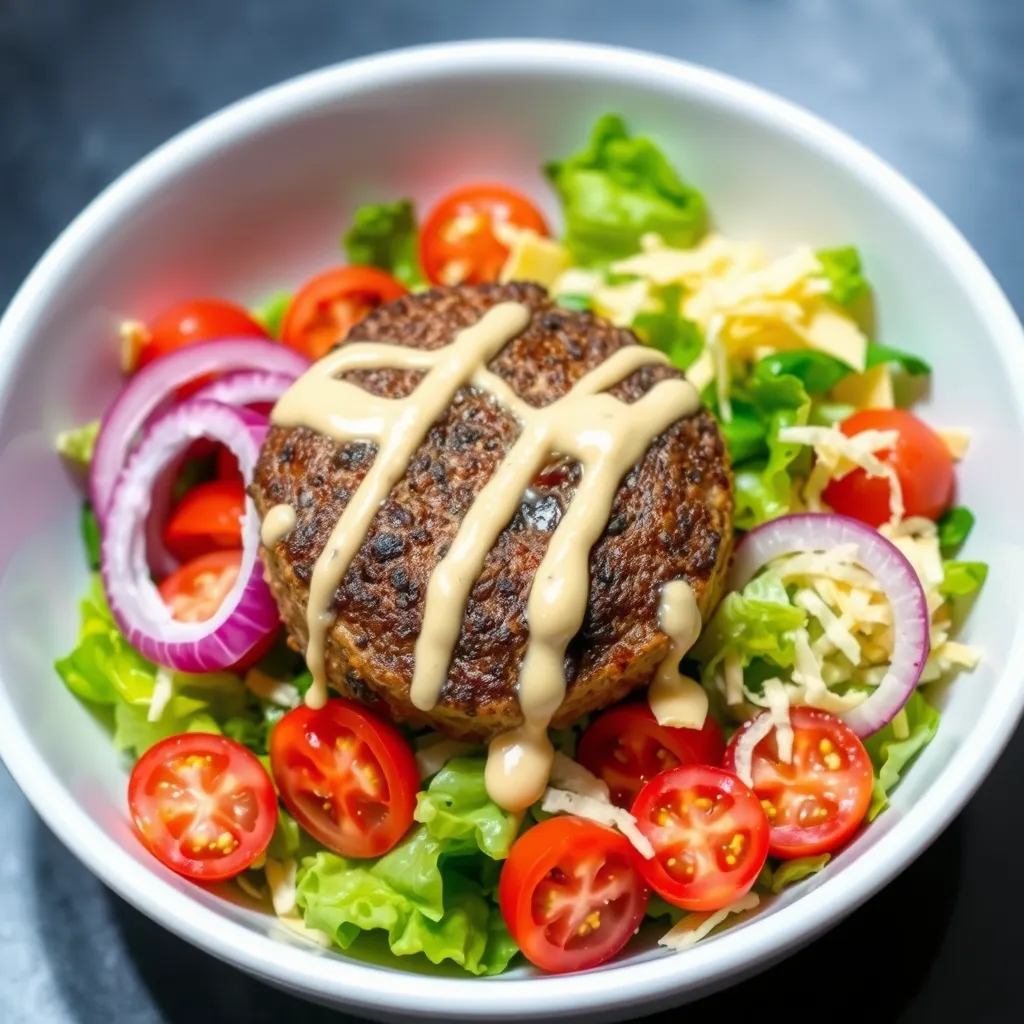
(671,519)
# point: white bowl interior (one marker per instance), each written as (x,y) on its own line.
(258,200)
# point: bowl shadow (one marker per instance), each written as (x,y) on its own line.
(111,963)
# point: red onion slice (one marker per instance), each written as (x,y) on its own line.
(822,532)
(248,613)
(247,387)
(154,385)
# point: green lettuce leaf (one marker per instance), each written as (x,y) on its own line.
(790,872)
(384,235)
(843,269)
(762,463)
(270,313)
(104,670)
(668,330)
(890,755)
(620,188)
(77,444)
(961,579)
(756,624)
(422,905)
(456,810)
(913,365)
(955,526)
(580,303)
(816,371)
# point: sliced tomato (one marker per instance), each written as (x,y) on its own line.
(208,518)
(324,310)
(348,777)
(921,461)
(570,894)
(461,238)
(815,803)
(203,805)
(227,464)
(709,833)
(626,747)
(198,320)
(197,589)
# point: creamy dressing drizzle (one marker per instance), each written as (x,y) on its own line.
(606,436)
(674,698)
(279,522)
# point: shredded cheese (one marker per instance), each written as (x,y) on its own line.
(778,708)
(570,775)
(284,695)
(299,927)
(134,334)
(956,439)
(733,671)
(694,927)
(557,801)
(255,892)
(432,758)
(163,693)
(531,257)
(281,879)
(872,389)
(836,455)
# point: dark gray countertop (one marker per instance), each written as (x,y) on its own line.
(935,86)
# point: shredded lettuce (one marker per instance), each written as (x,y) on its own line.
(843,269)
(619,189)
(890,755)
(456,809)
(417,894)
(961,579)
(668,330)
(270,313)
(77,444)
(756,624)
(955,527)
(815,370)
(384,235)
(580,303)
(913,365)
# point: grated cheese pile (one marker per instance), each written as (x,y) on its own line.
(747,305)
(847,646)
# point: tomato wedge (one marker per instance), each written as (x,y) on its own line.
(570,894)
(709,833)
(460,242)
(920,459)
(819,800)
(322,312)
(197,589)
(208,518)
(626,747)
(190,322)
(348,778)
(203,805)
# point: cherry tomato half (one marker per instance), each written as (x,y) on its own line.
(459,243)
(198,320)
(819,800)
(208,518)
(709,833)
(197,589)
(570,894)
(921,461)
(322,312)
(626,747)
(348,778)
(203,805)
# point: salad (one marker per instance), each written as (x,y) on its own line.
(766,742)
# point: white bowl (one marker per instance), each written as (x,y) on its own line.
(254,199)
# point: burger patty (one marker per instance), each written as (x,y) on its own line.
(671,519)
